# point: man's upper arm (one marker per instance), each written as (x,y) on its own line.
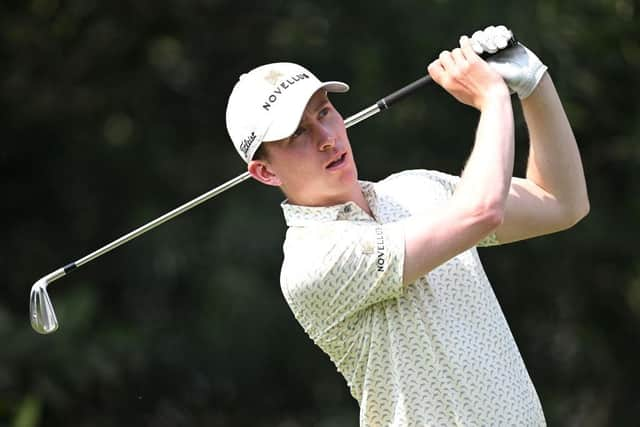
(530,211)
(441,228)
(434,238)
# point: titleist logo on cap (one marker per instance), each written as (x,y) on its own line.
(284,85)
(246,143)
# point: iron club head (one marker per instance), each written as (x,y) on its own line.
(43,317)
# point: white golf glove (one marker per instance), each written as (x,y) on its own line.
(520,68)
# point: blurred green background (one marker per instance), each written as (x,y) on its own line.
(112,113)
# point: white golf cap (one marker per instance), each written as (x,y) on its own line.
(267,103)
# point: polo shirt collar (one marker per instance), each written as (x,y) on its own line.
(298,216)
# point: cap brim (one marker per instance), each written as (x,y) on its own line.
(289,116)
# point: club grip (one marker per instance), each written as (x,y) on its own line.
(401,93)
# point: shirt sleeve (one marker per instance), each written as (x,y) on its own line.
(333,270)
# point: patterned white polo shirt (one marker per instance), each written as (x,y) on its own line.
(438,352)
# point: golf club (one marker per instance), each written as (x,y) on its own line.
(42,315)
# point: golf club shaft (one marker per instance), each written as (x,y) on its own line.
(372,110)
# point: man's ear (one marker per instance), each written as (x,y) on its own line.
(261,171)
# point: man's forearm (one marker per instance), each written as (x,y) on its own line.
(487,174)
(554,160)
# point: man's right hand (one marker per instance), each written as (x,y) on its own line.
(467,77)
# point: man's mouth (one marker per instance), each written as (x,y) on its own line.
(337,162)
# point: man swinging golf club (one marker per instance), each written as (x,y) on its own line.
(385,277)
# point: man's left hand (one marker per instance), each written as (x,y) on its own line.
(519,67)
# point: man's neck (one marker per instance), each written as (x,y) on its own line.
(355,195)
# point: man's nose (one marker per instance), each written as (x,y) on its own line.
(326,138)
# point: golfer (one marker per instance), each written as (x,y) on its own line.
(384,277)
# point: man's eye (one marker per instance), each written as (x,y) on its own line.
(324,111)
